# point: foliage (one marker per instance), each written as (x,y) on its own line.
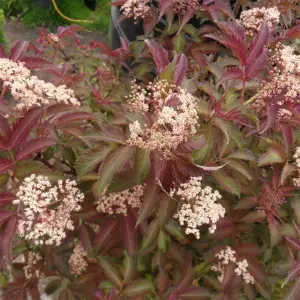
(186,150)
(2,21)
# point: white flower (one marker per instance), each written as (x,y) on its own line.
(199,206)
(77,261)
(47,209)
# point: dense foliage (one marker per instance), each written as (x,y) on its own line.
(166,169)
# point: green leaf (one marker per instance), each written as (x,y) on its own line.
(151,235)
(273,156)
(240,167)
(138,288)
(142,165)
(90,158)
(227,182)
(224,128)
(179,42)
(175,230)
(243,154)
(149,201)
(110,271)
(286,172)
(25,168)
(129,268)
(163,241)
(113,163)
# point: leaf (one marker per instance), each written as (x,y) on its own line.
(149,23)
(86,235)
(294,291)
(288,136)
(89,159)
(180,68)
(185,281)
(294,242)
(293,33)
(160,55)
(163,241)
(36,62)
(130,234)
(72,117)
(287,170)
(253,217)
(162,281)
(271,157)
(227,182)
(5,215)
(224,128)
(4,127)
(110,271)
(149,201)
(23,127)
(129,268)
(244,154)
(6,164)
(105,234)
(257,66)
(109,134)
(9,233)
(240,167)
(151,234)
(112,164)
(138,288)
(18,49)
(196,293)
(6,198)
(142,165)
(258,45)
(231,73)
(34,146)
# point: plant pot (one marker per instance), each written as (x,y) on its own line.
(42,3)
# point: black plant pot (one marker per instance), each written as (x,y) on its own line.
(42,3)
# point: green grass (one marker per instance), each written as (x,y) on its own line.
(2,20)
(74,9)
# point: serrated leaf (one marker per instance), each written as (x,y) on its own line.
(142,165)
(151,235)
(6,164)
(159,54)
(110,271)
(105,234)
(180,68)
(9,232)
(112,164)
(23,127)
(34,146)
(253,217)
(18,49)
(130,233)
(227,182)
(138,288)
(244,154)
(149,201)
(27,167)
(90,158)
(72,117)
(240,167)
(272,156)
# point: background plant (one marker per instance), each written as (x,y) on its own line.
(215,216)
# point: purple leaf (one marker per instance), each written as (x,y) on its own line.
(86,235)
(231,73)
(196,293)
(160,55)
(288,135)
(36,62)
(185,281)
(9,233)
(34,146)
(294,242)
(5,215)
(293,33)
(18,49)
(162,281)
(4,126)
(130,234)
(150,23)
(105,234)
(180,68)
(294,272)
(2,52)
(272,114)
(6,198)
(253,69)
(72,117)
(163,6)
(259,44)
(23,127)
(6,164)
(110,271)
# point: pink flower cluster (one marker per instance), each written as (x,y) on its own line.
(296,181)
(199,206)
(78,261)
(229,256)
(45,209)
(175,117)
(253,18)
(31,91)
(137,9)
(182,6)
(118,203)
(283,90)
(32,269)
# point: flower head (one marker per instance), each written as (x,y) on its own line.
(77,261)
(47,209)
(199,206)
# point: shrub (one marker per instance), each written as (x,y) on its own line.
(166,169)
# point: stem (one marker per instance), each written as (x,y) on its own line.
(243,91)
